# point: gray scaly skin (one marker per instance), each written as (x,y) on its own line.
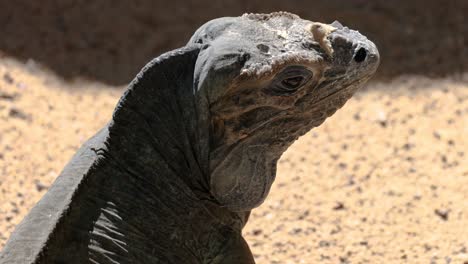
(193,144)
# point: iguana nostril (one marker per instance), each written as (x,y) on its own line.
(360,55)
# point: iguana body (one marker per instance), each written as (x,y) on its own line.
(193,144)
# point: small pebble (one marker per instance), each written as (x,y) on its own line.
(7,78)
(442,213)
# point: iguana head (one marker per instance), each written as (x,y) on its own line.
(268,79)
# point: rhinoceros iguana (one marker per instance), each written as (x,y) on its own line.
(193,143)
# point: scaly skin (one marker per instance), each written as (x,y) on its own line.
(193,144)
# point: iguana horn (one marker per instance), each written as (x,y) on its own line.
(320,32)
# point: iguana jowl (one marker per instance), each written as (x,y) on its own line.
(193,144)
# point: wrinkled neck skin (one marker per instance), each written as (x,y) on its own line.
(159,131)
(157,165)
(239,168)
(174,144)
(164,135)
(176,135)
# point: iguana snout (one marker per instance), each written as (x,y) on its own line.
(354,50)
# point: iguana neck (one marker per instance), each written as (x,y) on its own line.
(158,139)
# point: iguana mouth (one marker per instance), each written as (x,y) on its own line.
(351,87)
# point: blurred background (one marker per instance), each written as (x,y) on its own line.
(385,180)
(109,40)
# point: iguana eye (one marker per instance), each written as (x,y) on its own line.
(292,82)
(289,80)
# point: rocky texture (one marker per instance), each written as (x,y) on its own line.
(110,40)
(383,181)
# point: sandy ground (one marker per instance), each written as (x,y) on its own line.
(385,180)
